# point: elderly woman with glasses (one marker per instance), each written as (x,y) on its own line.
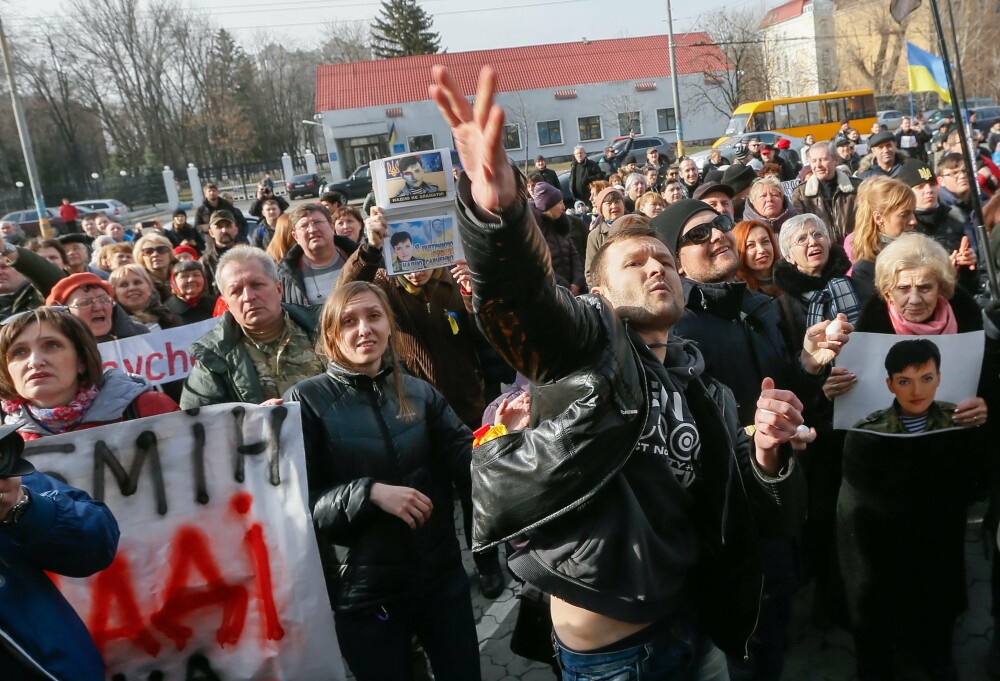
(91,299)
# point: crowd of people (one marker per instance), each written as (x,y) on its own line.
(630,398)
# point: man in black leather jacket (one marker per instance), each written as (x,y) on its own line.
(635,494)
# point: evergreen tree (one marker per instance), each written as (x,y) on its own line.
(403,29)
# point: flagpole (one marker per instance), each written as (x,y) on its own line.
(970,167)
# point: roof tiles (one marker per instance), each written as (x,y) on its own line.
(404,79)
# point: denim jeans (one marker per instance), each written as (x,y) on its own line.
(377,642)
(679,653)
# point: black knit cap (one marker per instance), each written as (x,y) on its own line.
(670,223)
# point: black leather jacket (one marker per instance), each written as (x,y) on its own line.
(354,438)
(589,407)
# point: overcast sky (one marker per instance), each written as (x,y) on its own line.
(463,24)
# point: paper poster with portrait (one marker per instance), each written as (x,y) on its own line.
(907,383)
(421,243)
(416,179)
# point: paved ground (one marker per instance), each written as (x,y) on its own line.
(814,655)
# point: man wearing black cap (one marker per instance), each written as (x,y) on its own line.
(739,332)
(719,196)
(887,161)
(78,255)
(847,158)
(945,224)
(829,193)
(635,497)
(548,175)
(611,161)
(740,178)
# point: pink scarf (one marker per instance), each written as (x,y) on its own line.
(942,322)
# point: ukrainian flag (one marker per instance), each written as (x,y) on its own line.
(926,72)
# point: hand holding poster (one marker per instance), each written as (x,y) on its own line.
(217,574)
(415,193)
(907,380)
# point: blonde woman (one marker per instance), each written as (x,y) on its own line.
(885,210)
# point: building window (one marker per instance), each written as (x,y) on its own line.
(549,133)
(590,128)
(629,121)
(666,120)
(420,143)
(511,137)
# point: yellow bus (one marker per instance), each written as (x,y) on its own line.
(819,115)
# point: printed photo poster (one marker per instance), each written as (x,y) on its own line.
(413,179)
(907,379)
(416,193)
(218,573)
(421,243)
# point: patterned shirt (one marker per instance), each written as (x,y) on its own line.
(285,361)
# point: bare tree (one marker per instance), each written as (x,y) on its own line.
(743,63)
(622,111)
(873,43)
(346,41)
(522,116)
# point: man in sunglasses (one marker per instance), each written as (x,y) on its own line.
(740,334)
(634,467)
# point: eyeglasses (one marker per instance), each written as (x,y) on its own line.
(161,250)
(316,223)
(702,233)
(803,239)
(21,315)
(84,303)
(956,173)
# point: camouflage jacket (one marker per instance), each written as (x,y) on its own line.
(224,371)
(887,420)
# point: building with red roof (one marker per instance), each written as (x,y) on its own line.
(556,96)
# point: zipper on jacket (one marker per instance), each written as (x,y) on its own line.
(375,397)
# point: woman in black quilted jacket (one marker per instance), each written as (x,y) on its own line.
(383,452)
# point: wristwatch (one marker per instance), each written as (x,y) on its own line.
(18,510)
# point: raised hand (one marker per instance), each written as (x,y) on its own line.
(515,414)
(819,348)
(375,228)
(478,134)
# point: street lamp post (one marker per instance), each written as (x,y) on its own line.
(673,82)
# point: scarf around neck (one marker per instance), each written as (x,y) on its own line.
(55,419)
(941,323)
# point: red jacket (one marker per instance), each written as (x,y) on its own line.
(69,212)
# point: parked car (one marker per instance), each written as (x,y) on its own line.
(727,148)
(114,209)
(356,186)
(889,119)
(308,184)
(639,146)
(28,220)
(985,115)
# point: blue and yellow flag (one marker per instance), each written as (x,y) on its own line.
(392,133)
(926,72)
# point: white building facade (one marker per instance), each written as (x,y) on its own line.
(800,48)
(548,112)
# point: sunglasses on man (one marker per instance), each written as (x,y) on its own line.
(702,233)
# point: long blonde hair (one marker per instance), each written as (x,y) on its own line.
(880,195)
(330,329)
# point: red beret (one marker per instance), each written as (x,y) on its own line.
(62,290)
(184,248)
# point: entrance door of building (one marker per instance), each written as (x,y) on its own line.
(363,150)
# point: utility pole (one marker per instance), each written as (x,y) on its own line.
(673,82)
(22,131)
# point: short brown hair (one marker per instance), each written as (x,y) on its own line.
(78,333)
(950,161)
(306,208)
(598,267)
(37,244)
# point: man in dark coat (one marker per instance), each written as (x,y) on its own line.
(214,202)
(582,172)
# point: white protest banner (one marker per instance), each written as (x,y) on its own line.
(218,574)
(159,357)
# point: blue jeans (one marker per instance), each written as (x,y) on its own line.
(678,653)
(377,642)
